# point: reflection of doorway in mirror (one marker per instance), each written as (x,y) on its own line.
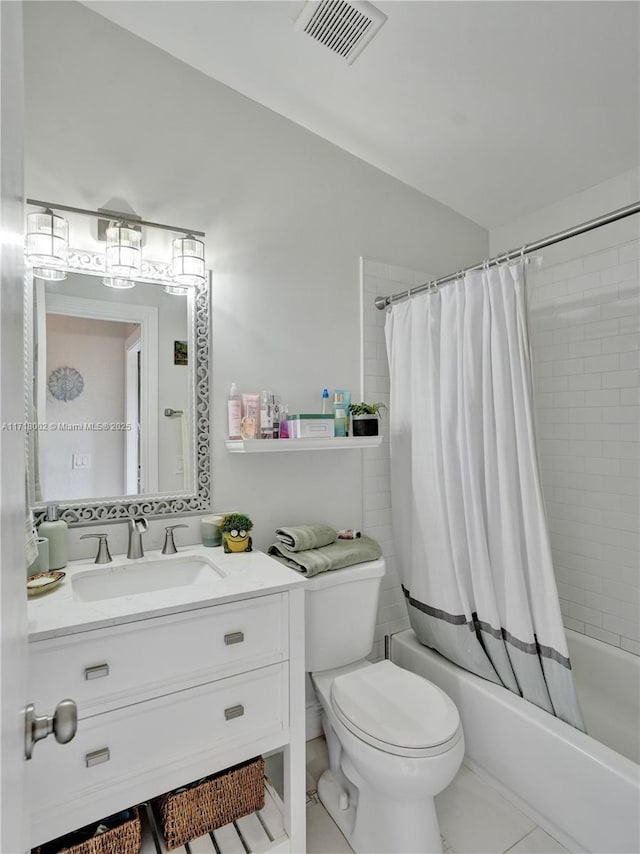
(84,454)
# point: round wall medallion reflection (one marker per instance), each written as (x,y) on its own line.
(65,384)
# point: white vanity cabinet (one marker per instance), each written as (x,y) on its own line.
(165,700)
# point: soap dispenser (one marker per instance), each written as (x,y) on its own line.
(57,532)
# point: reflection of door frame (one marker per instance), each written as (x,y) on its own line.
(132,365)
(147,317)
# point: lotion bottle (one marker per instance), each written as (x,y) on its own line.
(57,532)
(234,412)
(340,415)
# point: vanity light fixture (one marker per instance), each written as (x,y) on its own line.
(122,264)
(123,255)
(120,284)
(47,238)
(188,260)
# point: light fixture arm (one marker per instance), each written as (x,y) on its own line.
(116,215)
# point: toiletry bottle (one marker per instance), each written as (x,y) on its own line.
(250,422)
(325,409)
(57,532)
(340,416)
(346,403)
(234,412)
(266,415)
(275,408)
(284,420)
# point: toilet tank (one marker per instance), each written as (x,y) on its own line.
(341,607)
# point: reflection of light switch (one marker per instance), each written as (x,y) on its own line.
(81,461)
(179,466)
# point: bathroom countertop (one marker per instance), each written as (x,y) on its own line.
(59,612)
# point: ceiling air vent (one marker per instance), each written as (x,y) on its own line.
(345,28)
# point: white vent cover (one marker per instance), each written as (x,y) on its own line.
(345,28)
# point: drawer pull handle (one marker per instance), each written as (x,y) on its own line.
(97,757)
(96,672)
(234,637)
(234,712)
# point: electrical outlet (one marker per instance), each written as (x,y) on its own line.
(179,465)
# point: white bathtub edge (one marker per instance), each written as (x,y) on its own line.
(597,818)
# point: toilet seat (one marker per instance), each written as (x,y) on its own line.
(396,711)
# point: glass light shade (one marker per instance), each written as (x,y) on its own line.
(49,274)
(123,255)
(188,261)
(47,239)
(120,284)
(176,291)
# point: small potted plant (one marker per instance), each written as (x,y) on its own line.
(235,529)
(365,418)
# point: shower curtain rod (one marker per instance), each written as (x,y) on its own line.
(605,219)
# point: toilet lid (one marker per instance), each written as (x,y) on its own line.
(396,710)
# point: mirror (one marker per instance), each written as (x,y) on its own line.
(117,398)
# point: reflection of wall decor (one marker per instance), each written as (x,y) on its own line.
(65,384)
(180,353)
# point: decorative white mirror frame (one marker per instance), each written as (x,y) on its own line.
(121,507)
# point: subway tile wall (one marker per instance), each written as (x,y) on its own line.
(584,321)
(380,279)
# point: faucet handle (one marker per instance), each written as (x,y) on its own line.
(169,547)
(103,555)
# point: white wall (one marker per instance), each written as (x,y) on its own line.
(585,301)
(287,217)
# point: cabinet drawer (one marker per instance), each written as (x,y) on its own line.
(146,749)
(109,668)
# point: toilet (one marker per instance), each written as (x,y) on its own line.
(394,739)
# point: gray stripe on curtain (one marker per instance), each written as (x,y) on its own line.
(476,625)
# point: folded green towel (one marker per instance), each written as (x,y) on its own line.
(334,556)
(298,538)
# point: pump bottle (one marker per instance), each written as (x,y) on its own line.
(57,532)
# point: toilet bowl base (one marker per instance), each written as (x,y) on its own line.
(332,795)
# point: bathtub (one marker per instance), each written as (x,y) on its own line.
(583,792)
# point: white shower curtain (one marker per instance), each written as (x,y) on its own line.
(468,515)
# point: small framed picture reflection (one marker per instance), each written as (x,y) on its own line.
(180,353)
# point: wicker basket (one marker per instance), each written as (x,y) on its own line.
(123,839)
(214,802)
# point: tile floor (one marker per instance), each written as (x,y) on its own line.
(474,818)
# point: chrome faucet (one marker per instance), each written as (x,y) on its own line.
(103,555)
(137,527)
(169,547)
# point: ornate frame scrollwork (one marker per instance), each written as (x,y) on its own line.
(112,509)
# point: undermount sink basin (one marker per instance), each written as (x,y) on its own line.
(144,577)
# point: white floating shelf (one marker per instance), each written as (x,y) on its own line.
(269,446)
